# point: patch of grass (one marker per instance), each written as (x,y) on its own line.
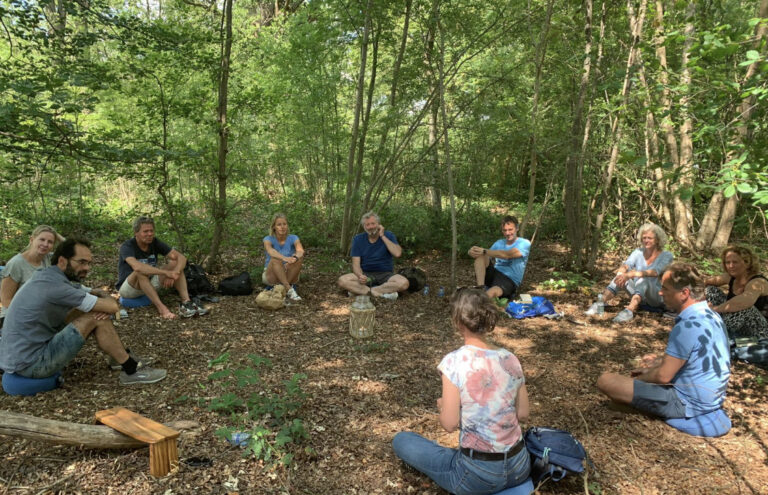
(373,347)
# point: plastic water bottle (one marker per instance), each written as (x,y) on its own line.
(425,290)
(600,305)
(441,292)
(239,438)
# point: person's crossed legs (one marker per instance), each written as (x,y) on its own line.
(138,284)
(381,283)
(658,400)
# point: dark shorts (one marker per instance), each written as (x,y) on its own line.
(658,400)
(59,351)
(378,277)
(494,278)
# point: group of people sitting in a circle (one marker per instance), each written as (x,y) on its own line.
(743,308)
(48,315)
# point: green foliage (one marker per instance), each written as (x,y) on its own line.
(566,281)
(373,347)
(268,416)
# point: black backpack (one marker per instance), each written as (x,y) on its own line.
(236,285)
(197,280)
(417,278)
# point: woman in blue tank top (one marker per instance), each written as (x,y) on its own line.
(284,257)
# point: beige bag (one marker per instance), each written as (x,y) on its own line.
(271,299)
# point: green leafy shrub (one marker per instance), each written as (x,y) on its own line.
(268,416)
(567,281)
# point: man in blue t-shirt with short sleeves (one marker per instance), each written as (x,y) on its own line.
(502,266)
(139,271)
(692,376)
(373,270)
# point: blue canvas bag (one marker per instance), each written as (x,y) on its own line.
(538,307)
(554,453)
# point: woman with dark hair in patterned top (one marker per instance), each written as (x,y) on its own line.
(744,308)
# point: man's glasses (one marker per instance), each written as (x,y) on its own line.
(83,262)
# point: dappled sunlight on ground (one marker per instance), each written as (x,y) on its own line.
(360,393)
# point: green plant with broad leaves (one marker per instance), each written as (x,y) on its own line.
(267,415)
(568,281)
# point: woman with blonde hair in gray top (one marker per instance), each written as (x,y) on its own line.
(640,274)
(20,268)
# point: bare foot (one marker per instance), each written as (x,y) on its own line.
(167,315)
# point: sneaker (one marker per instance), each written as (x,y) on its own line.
(116,366)
(144,374)
(292,295)
(592,310)
(391,296)
(188,309)
(201,310)
(624,316)
(670,315)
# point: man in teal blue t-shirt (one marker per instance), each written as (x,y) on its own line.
(501,267)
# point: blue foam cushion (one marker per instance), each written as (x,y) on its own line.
(14,384)
(524,488)
(651,309)
(712,424)
(136,302)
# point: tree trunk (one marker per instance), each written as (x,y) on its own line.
(573,176)
(164,169)
(682,205)
(434,176)
(348,222)
(652,147)
(377,172)
(717,224)
(541,51)
(666,124)
(447,151)
(636,22)
(434,190)
(220,200)
(63,433)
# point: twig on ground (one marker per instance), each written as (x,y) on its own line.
(8,485)
(332,342)
(57,482)
(586,426)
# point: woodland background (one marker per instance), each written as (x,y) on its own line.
(583,117)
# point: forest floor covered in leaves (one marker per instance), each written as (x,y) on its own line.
(360,393)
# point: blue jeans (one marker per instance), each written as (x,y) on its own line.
(457,473)
(59,351)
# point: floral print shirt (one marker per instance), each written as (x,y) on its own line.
(488,381)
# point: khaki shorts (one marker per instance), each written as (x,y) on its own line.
(266,282)
(128,292)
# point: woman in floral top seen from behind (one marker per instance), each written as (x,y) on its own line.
(484,396)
